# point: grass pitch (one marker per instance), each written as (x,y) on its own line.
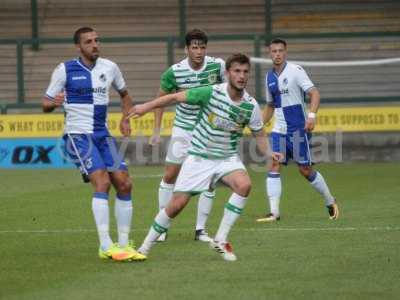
(49,244)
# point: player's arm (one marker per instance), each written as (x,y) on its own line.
(269,107)
(48,105)
(168,85)
(199,96)
(257,128)
(54,95)
(268,112)
(163,101)
(308,87)
(261,142)
(315,99)
(158,114)
(126,105)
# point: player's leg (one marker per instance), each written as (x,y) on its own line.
(120,179)
(167,184)
(318,182)
(273,183)
(100,207)
(123,205)
(176,154)
(234,175)
(163,220)
(82,150)
(194,177)
(204,207)
(302,156)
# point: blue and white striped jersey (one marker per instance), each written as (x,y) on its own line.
(286,92)
(86,93)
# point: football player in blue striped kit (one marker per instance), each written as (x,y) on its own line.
(85,83)
(286,86)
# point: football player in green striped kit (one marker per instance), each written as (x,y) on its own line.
(195,70)
(226,109)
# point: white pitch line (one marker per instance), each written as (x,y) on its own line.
(147,176)
(65,231)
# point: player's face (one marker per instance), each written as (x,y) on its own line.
(89,46)
(196,52)
(278,53)
(238,75)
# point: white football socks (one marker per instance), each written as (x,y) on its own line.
(232,211)
(102,219)
(165,192)
(317,181)
(123,215)
(203,209)
(274,191)
(160,225)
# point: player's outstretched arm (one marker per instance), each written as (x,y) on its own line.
(48,105)
(158,114)
(315,99)
(170,99)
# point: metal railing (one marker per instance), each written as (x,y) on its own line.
(170,43)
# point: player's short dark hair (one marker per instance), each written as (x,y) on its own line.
(276,41)
(237,58)
(195,34)
(77,34)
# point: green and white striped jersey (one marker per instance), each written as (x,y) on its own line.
(221,121)
(181,76)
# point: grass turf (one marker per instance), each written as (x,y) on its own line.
(49,244)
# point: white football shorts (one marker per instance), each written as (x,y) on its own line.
(200,174)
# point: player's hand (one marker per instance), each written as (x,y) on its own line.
(59,99)
(277,156)
(125,127)
(310,124)
(137,111)
(155,138)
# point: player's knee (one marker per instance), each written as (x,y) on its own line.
(170,177)
(306,171)
(125,187)
(243,188)
(103,183)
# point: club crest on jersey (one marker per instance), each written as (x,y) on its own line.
(285,82)
(241,117)
(103,77)
(212,78)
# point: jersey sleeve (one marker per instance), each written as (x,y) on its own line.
(256,121)
(200,96)
(268,96)
(118,82)
(303,80)
(57,82)
(168,81)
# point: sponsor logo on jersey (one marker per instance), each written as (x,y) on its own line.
(224,124)
(284,91)
(85,91)
(103,77)
(79,77)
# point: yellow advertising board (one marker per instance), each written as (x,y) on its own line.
(346,119)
